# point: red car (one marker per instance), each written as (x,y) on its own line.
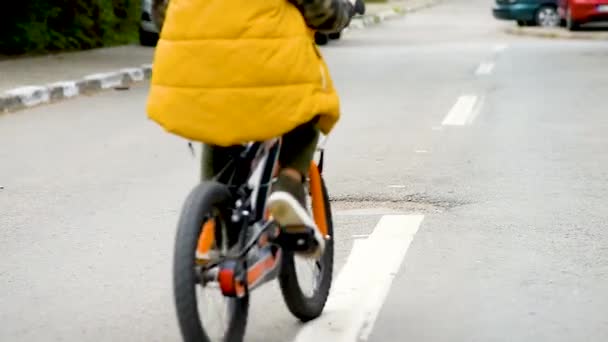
(577,12)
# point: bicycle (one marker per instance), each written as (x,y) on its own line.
(227,217)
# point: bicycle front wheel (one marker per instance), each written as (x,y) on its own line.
(225,318)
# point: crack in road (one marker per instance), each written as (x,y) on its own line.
(412,202)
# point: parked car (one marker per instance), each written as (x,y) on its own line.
(148,32)
(528,12)
(578,12)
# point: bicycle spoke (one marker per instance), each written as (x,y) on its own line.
(213,310)
(307,271)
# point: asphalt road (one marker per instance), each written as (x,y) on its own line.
(496,143)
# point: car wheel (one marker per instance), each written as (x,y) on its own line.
(571,24)
(547,16)
(360,7)
(321,39)
(334,35)
(147,38)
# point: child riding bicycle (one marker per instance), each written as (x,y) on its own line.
(231,72)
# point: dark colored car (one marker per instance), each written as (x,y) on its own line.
(578,12)
(148,33)
(528,12)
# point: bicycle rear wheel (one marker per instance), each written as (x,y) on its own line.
(207,200)
(308,305)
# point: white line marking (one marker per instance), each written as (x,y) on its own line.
(364,282)
(69,88)
(360,236)
(136,74)
(31,95)
(460,112)
(485,68)
(500,47)
(107,79)
(421,151)
(476,111)
(396,186)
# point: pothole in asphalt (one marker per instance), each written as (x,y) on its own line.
(386,205)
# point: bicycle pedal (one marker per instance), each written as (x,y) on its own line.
(298,239)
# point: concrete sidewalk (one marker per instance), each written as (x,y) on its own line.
(30,81)
(374,8)
(70,66)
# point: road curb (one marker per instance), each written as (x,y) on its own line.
(34,95)
(556,33)
(30,96)
(360,22)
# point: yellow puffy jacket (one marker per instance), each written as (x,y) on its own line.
(232,71)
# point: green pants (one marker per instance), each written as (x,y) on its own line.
(297,151)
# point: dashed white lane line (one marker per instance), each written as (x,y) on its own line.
(485,68)
(361,288)
(461,112)
(500,47)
